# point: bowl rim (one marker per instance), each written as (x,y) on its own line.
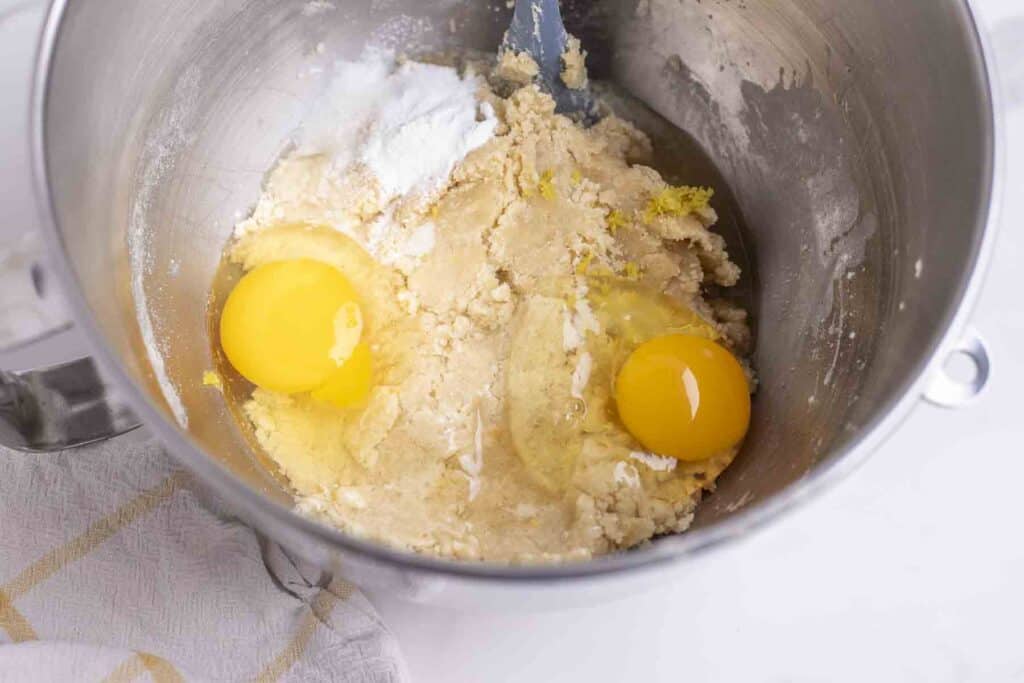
(689,545)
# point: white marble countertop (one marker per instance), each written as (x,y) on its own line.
(911,569)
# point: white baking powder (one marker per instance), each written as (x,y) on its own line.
(658,463)
(581,374)
(408,124)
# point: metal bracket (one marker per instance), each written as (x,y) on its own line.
(59,407)
(949,392)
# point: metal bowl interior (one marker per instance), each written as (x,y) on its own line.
(858,140)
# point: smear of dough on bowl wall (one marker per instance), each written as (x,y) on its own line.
(476,328)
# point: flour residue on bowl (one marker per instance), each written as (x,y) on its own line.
(169,136)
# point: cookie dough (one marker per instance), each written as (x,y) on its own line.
(516,67)
(574,70)
(493,309)
(520,68)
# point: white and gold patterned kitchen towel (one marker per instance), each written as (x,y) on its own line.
(111,569)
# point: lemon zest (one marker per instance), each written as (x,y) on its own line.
(545,187)
(584,265)
(616,220)
(600,282)
(677,201)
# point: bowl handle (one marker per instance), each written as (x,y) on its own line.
(59,405)
(948,391)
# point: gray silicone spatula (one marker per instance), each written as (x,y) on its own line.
(537,29)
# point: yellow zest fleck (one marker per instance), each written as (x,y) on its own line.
(677,201)
(632,271)
(601,285)
(212,379)
(584,265)
(616,220)
(435,211)
(576,177)
(546,187)
(570,300)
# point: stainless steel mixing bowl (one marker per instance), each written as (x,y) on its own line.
(860,140)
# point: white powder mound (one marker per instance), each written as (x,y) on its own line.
(581,374)
(579,321)
(408,125)
(658,463)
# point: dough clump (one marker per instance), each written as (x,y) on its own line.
(490,431)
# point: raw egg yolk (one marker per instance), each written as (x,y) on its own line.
(683,396)
(350,384)
(292,326)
